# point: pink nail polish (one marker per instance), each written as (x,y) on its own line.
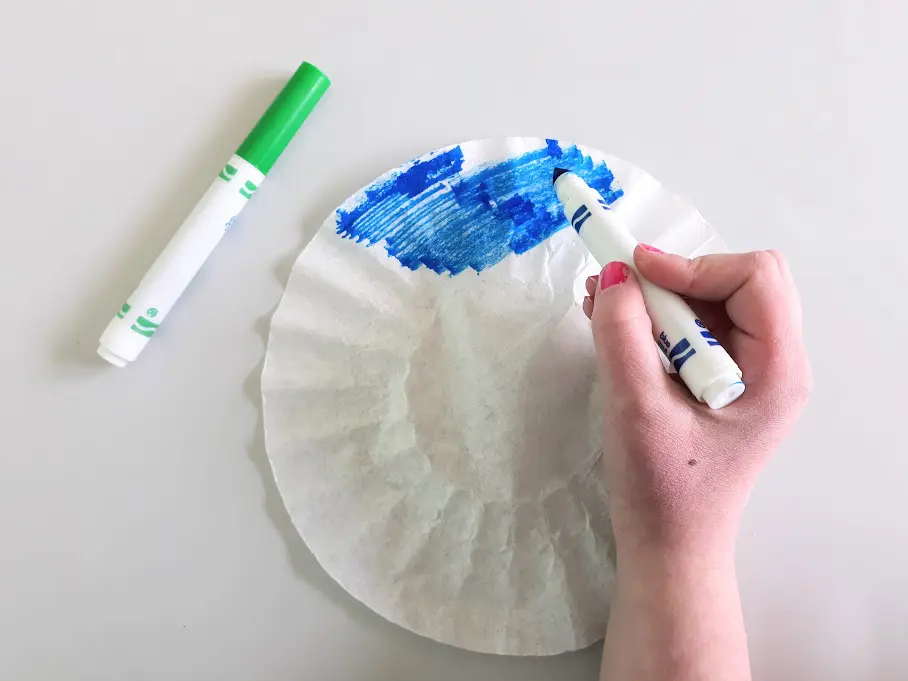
(651,249)
(612,274)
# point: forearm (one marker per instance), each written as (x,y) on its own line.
(676,617)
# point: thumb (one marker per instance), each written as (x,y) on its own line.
(629,364)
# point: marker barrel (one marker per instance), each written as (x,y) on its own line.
(702,363)
(182,258)
(136,322)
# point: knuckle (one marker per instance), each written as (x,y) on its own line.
(696,268)
(764,263)
(779,257)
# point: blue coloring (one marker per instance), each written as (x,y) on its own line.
(435,214)
(679,354)
(710,339)
(679,362)
(580,216)
(680,347)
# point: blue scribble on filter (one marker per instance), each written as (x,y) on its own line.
(435,214)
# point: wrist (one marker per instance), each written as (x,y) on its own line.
(698,555)
(690,558)
(700,542)
(676,611)
(684,534)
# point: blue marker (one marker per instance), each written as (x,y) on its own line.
(702,363)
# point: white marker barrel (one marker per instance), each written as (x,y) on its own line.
(164,283)
(159,290)
(702,363)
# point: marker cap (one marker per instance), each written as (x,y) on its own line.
(280,122)
(112,357)
(723,391)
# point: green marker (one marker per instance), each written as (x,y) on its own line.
(161,287)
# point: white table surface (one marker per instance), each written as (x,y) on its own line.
(141,535)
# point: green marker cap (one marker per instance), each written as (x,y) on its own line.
(279,123)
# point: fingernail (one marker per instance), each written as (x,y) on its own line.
(588,307)
(612,274)
(651,249)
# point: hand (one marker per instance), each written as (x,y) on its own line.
(678,472)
